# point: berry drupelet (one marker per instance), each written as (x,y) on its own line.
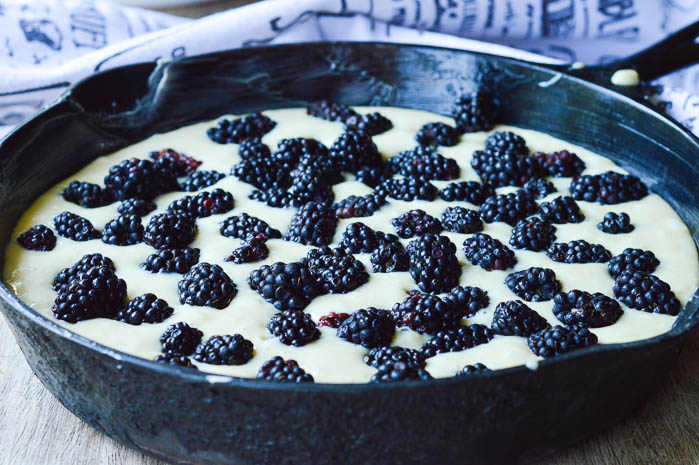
(252,250)
(562,164)
(456,340)
(37,237)
(172,260)
(391,372)
(123,230)
(353,149)
(438,134)
(534,284)
(579,251)
(224,350)
(180,338)
(580,307)
(336,271)
(372,123)
(201,180)
(359,206)
(386,354)
(314,224)
(137,207)
(416,223)
(614,223)
(243,226)
(206,285)
(475,112)
(461,220)
(633,259)
(539,188)
(332,319)
(369,327)
(488,253)
(433,263)
(646,292)
(408,189)
(468,300)
(389,257)
(288,286)
(175,358)
(424,162)
(203,204)
(254,125)
(426,313)
(170,230)
(514,318)
(293,328)
(146,308)
(75,227)
(508,208)
(87,195)
(331,111)
(141,179)
(608,188)
(67,276)
(561,210)
(466,191)
(532,234)
(558,340)
(96,293)
(283,371)
(179,163)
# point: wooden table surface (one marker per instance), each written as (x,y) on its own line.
(36,430)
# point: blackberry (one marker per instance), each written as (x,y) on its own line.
(372,123)
(175,358)
(390,372)
(360,238)
(331,111)
(137,207)
(561,210)
(468,191)
(372,176)
(426,313)
(253,149)
(75,227)
(563,164)
(206,285)
(277,198)
(475,112)
(433,263)
(290,151)
(369,327)
(179,163)
(288,286)
(243,226)
(352,150)
(580,307)
(96,293)
(224,350)
(532,234)
(201,180)
(141,179)
(456,340)
(337,271)
(539,188)
(252,250)
(424,162)
(37,237)
(319,165)
(579,251)
(506,141)
(474,369)
(123,230)
(468,300)
(359,206)
(508,208)
(645,292)
(389,257)
(499,167)
(332,319)
(534,284)
(314,224)
(439,134)
(66,277)
(310,184)
(262,173)
(171,260)
(170,231)
(488,253)
(255,125)
(633,259)
(146,308)
(293,328)
(87,195)
(558,340)
(283,371)
(614,223)
(408,189)
(461,220)
(514,318)
(203,204)
(608,188)
(180,338)
(416,223)
(322,194)
(387,354)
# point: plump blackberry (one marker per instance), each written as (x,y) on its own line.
(180,338)
(337,271)
(252,250)
(433,263)
(580,307)
(508,208)
(293,328)
(171,260)
(645,292)
(137,207)
(514,318)
(506,141)
(439,134)
(488,253)
(283,371)
(391,372)
(140,179)
(319,164)
(532,234)
(352,150)
(474,369)
(170,231)
(201,180)
(75,227)
(456,340)
(408,189)
(424,162)
(389,257)
(146,308)
(332,319)
(461,220)
(614,223)
(314,224)
(633,259)
(558,340)
(277,198)
(175,358)
(562,164)
(359,206)
(539,188)
(534,284)
(63,280)
(236,131)
(96,293)
(505,167)
(416,223)
(372,123)
(426,313)
(243,226)
(253,149)
(368,327)
(360,238)
(331,111)
(475,112)
(123,230)
(469,299)
(37,237)
(87,195)
(179,163)
(307,184)
(290,151)
(562,209)
(468,191)
(288,286)
(380,355)
(206,285)
(579,251)
(204,204)
(608,188)
(372,176)
(262,173)
(224,350)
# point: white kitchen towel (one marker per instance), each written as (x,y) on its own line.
(47,45)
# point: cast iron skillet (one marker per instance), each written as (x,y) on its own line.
(509,416)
